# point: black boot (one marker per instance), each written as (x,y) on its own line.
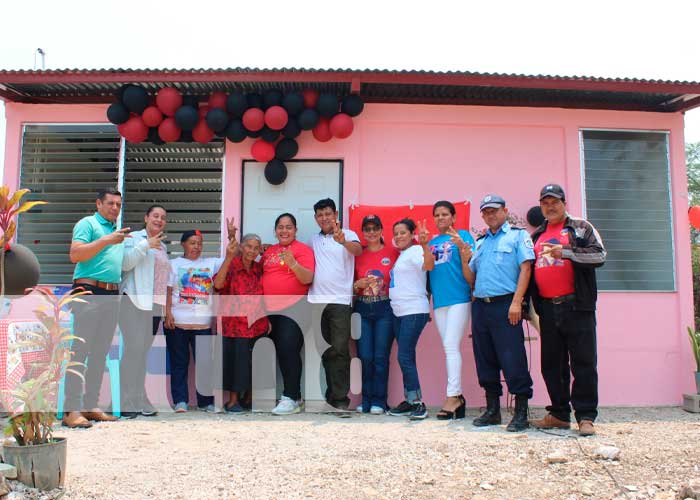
(519,422)
(492,415)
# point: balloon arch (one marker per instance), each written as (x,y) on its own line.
(274,119)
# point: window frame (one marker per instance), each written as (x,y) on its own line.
(669,187)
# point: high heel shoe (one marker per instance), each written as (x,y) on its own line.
(458,412)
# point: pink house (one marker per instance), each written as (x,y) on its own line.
(615,145)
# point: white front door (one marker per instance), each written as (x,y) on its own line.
(306,183)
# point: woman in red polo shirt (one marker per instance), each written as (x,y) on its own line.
(288,270)
(239,281)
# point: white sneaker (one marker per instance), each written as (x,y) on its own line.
(359,409)
(286,406)
(376,410)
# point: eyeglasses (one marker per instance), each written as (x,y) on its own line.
(371,229)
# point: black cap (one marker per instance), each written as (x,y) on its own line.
(371,219)
(492,201)
(188,234)
(553,190)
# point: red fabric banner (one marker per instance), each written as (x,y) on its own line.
(390,215)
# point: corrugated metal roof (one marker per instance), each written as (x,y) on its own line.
(390,86)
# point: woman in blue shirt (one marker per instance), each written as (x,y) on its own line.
(451,300)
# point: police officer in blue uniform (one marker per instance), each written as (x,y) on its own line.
(501,264)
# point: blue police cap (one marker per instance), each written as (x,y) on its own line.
(492,201)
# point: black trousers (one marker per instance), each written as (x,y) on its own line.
(569,347)
(499,346)
(335,329)
(94,321)
(288,339)
(138,328)
(237,358)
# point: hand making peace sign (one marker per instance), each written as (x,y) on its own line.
(338,234)
(465,250)
(231,228)
(423,233)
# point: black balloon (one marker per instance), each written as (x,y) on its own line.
(275,172)
(122,89)
(273,97)
(217,119)
(253,134)
(291,129)
(186,136)
(352,105)
(534,216)
(327,105)
(186,117)
(21,270)
(236,132)
(117,113)
(135,99)
(268,134)
(236,104)
(293,103)
(308,119)
(255,100)
(286,149)
(190,100)
(153,136)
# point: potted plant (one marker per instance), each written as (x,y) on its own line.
(39,456)
(695,347)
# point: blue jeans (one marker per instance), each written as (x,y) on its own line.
(374,347)
(179,342)
(407,330)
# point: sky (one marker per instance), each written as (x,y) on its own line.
(619,38)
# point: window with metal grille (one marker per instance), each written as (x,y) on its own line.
(186,179)
(67,164)
(64,165)
(627,191)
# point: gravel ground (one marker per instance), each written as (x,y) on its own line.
(258,456)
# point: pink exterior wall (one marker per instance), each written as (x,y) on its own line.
(424,153)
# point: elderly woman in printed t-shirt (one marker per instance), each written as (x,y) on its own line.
(188,315)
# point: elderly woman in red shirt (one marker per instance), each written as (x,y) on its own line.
(240,280)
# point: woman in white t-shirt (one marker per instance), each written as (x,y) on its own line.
(409,303)
(188,315)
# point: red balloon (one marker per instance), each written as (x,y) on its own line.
(262,151)
(202,133)
(341,126)
(203,110)
(694,216)
(134,130)
(217,100)
(254,119)
(168,100)
(310,98)
(322,131)
(152,116)
(168,130)
(276,117)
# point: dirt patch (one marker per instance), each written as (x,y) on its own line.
(201,456)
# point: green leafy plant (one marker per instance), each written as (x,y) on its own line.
(695,346)
(33,406)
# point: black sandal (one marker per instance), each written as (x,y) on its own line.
(458,412)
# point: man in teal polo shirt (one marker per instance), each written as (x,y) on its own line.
(97,251)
